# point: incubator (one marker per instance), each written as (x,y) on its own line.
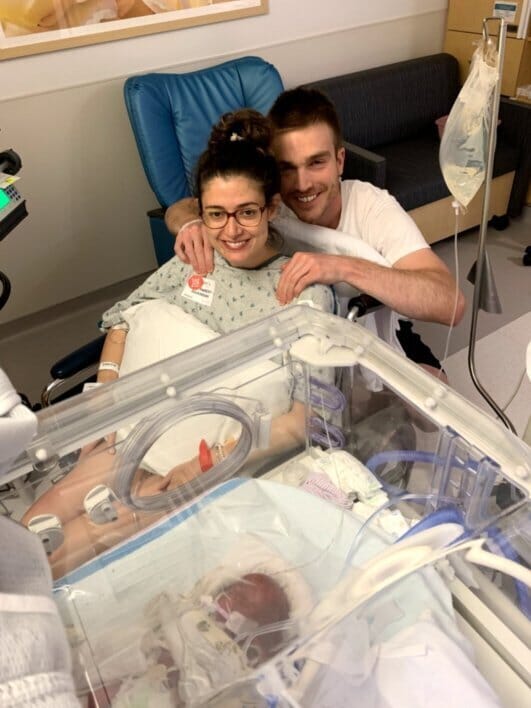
(289,515)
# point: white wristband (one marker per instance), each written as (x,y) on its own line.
(109,366)
(188,223)
(90,385)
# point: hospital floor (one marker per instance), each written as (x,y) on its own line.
(502,339)
(28,347)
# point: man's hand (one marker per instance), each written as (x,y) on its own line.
(192,246)
(305,269)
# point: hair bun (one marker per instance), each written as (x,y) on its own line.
(244,125)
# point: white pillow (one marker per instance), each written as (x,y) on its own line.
(158,330)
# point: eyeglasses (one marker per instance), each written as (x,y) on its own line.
(250,215)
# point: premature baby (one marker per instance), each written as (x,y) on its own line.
(196,647)
(261,602)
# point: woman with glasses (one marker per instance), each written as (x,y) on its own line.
(237,187)
(237,192)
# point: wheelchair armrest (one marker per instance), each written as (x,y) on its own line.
(362,305)
(69,373)
(163,240)
(364,165)
(78,360)
(157,213)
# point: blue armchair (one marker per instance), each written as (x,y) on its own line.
(172,116)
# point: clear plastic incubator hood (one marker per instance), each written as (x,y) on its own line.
(289,515)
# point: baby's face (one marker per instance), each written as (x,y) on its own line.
(260,599)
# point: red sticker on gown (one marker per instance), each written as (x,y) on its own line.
(195,282)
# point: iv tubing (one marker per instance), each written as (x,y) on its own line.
(381,458)
(451,514)
(520,586)
(148,432)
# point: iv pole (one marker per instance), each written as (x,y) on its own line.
(481,257)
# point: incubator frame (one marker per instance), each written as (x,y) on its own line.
(300,332)
(473,452)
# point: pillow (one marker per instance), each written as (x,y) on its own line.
(158,330)
(325,240)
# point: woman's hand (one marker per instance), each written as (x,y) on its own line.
(181,474)
(105,444)
(174,478)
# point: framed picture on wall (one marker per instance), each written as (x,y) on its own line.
(34,26)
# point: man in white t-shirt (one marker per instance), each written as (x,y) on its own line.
(308,146)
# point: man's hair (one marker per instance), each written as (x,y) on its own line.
(301,107)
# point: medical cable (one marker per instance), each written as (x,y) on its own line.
(389,503)
(148,432)
(444,515)
(330,398)
(452,514)
(507,551)
(381,458)
(265,629)
(333,437)
(321,401)
(513,395)
(328,395)
(455,205)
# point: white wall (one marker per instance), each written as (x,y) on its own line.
(63,113)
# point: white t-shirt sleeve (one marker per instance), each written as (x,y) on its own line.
(375,216)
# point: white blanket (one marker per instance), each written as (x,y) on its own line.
(104,600)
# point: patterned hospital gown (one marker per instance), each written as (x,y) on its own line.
(240,296)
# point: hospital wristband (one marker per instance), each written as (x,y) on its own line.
(109,366)
(219,452)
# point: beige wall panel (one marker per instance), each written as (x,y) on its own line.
(437,220)
(463,44)
(467,15)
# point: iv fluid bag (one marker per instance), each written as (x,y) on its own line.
(463,150)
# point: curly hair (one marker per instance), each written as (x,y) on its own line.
(239,145)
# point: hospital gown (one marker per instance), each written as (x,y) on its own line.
(231,297)
(225,300)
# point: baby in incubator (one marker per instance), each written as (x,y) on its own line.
(211,641)
(260,601)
